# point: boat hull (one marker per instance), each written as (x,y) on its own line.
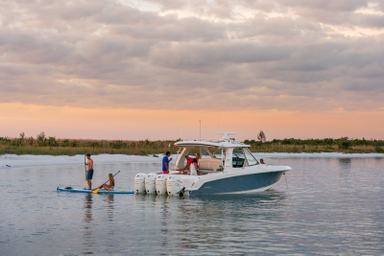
(242,184)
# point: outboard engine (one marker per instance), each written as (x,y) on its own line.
(140,183)
(150,180)
(174,185)
(161,184)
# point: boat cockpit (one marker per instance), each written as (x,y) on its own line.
(215,158)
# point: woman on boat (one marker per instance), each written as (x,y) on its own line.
(111,185)
(197,163)
(193,167)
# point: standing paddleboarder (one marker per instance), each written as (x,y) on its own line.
(90,171)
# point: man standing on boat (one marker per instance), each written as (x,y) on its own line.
(90,171)
(166,161)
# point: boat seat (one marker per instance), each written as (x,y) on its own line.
(210,165)
(203,172)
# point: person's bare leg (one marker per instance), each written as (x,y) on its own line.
(89,184)
(107,187)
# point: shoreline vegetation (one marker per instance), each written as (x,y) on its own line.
(42,145)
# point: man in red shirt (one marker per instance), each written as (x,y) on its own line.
(189,162)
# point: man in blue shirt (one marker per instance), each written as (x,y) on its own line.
(166,161)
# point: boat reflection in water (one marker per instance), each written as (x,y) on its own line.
(211,221)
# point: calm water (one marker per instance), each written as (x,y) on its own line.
(333,205)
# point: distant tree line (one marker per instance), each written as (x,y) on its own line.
(42,144)
(343,143)
(47,145)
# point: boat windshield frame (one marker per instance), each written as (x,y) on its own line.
(249,153)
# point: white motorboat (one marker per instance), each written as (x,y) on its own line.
(226,167)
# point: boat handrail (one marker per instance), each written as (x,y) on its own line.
(210,140)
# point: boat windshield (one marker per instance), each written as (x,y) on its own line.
(250,158)
(243,157)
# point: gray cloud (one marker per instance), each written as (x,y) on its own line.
(55,52)
(172,29)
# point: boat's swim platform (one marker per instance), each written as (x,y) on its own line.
(101,191)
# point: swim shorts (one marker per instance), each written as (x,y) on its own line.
(90,174)
(165,172)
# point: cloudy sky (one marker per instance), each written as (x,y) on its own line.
(152,69)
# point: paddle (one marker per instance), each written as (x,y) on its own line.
(97,190)
(85,168)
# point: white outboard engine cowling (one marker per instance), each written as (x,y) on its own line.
(150,186)
(161,184)
(140,183)
(174,185)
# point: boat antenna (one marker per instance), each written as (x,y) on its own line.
(181,125)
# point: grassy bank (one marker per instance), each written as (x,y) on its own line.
(42,145)
(70,151)
(344,145)
(315,149)
(41,150)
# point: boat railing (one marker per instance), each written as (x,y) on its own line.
(210,140)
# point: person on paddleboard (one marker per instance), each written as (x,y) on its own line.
(90,171)
(109,186)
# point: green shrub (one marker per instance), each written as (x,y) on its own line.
(346,144)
